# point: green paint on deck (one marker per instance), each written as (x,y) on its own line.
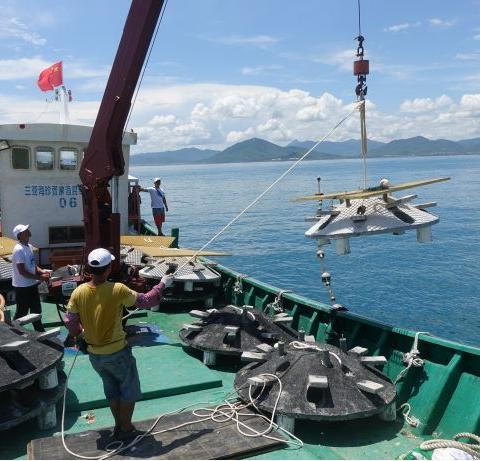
(163,370)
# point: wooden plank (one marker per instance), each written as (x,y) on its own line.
(146,240)
(205,440)
(366,193)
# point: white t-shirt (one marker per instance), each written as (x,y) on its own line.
(156,196)
(23,254)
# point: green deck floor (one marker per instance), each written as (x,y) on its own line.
(172,378)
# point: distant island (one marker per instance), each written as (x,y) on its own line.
(259,150)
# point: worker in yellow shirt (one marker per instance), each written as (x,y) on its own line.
(95,309)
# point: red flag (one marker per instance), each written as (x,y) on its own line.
(50,77)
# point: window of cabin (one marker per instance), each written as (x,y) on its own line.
(66,234)
(68,159)
(20,158)
(44,158)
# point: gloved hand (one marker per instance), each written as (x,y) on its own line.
(167,280)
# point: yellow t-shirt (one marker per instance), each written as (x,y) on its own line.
(100,309)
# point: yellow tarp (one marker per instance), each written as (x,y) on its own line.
(7,244)
(146,241)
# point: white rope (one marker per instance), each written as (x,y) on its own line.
(412,358)
(257,199)
(472,449)
(313,347)
(411,420)
(274,183)
(222,413)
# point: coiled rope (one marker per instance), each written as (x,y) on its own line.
(473,449)
(224,412)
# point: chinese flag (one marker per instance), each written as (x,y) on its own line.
(51,77)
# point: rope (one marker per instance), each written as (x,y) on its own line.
(472,449)
(277,304)
(411,420)
(146,64)
(412,358)
(271,186)
(224,412)
(313,347)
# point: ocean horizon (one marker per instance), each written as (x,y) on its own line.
(423,287)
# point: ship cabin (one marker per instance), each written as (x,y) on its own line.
(39,184)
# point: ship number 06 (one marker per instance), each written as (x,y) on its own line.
(68,203)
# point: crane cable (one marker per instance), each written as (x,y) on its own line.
(146,65)
(257,199)
(273,184)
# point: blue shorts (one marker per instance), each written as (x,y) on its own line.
(119,375)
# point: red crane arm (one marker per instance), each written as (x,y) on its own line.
(103,158)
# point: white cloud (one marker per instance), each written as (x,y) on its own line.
(400,27)
(215,116)
(476,37)
(425,104)
(467,56)
(437,22)
(13,28)
(260,70)
(256,40)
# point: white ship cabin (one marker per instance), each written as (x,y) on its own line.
(39,183)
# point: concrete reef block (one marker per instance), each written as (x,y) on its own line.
(30,318)
(264,347)
(283,320)
(191,327)
(318,382)
(261,380)
(13,346)
(373,360)
(358,351)
(252,357)
(370,386)
(199,314)
(52,333)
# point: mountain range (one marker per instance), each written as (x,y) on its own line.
(259,150)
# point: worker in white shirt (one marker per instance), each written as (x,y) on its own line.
(158,203)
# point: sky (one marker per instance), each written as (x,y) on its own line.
(223,71)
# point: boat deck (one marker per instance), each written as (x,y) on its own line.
(172,377)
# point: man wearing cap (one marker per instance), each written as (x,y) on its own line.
(158,203)
(95,309)
(26,276)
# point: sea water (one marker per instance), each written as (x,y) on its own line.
(430,287)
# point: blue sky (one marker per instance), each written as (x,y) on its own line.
(222,71)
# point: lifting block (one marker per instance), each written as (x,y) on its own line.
(261,381)
(309,339)
(317,382)
(192,327)
(358,350)
(13,346)
(370,386)
(252,357)
(29,318)
(374,360)
(199,314)
(52,333)
(283,320)
(264,347)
